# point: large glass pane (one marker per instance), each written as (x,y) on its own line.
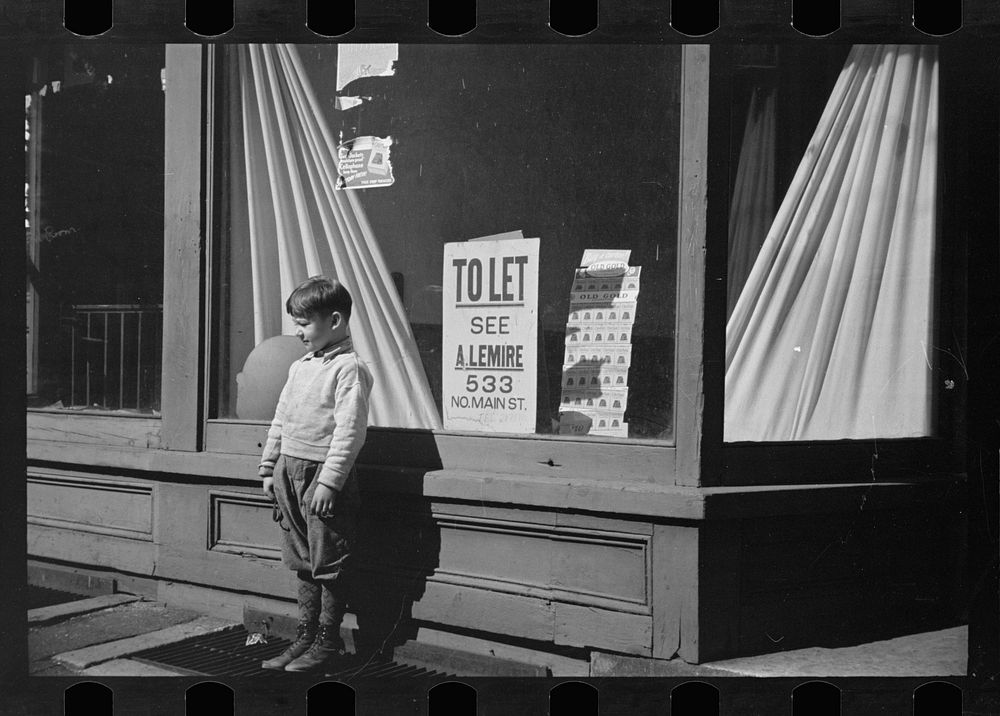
(575,147)
(94,227)
(832,234)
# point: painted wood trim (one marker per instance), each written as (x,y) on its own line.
(532,618)
(586,522)
(485,488)
(77,526)
(95,486)
(731,503)
(184,511)
(632,597)
(91,548)
(94,429)
(719,598)
(689,395)
(561,596)
(216,540)
(786,463)
(182,257)
(615,631)
(564,492)
(674,591)
(572,494)
(117,457)
(543,456)
(515,616)
(224,570)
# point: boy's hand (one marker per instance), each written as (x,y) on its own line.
(269,487)
(323,500)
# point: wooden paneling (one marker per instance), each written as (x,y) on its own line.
(533,618)
(584,566)
(91,548)
(674,591)
(602,565)
(241,523)
(201,535)
(485,611)
(94,429)
(577,625)
(182,256)
(89,520)
(91,505)
(473,565)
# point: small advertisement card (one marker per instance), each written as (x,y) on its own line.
(598,350)
(364,163)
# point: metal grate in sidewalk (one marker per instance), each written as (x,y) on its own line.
(226,654)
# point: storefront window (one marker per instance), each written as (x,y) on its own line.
(832,235)
(94,123)
(567,157)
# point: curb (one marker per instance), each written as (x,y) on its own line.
(99,653)
(128,667)
(57,612)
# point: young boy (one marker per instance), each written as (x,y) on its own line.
(318,429)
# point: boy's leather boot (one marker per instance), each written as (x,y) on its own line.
(324,653)
(305,635)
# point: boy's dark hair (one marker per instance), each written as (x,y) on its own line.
(319,295)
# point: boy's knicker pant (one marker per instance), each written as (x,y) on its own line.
(319,546)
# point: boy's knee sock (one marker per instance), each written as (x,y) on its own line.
(310,600)
(334,604)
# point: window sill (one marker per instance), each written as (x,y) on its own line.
(134,431)
(530,455)
(96,413)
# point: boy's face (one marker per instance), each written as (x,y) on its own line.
(318,330)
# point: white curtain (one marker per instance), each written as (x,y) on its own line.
(831,336)
(751,209)
(300,226)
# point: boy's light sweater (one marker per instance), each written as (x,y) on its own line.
(322,414)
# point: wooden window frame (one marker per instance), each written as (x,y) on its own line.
(698,456)
(542,456)
(775,463)
(178,427)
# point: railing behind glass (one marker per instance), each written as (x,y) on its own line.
(115,356)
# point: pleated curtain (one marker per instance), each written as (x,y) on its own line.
(301,226)
(831,336)
(751,208)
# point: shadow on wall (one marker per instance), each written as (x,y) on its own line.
(399,544)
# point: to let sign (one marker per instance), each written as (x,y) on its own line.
(490,332)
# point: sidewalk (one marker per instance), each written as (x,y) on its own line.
(95,636)
(936,653)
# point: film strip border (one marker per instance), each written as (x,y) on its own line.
(484,21)
(626,21)
(678,697)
